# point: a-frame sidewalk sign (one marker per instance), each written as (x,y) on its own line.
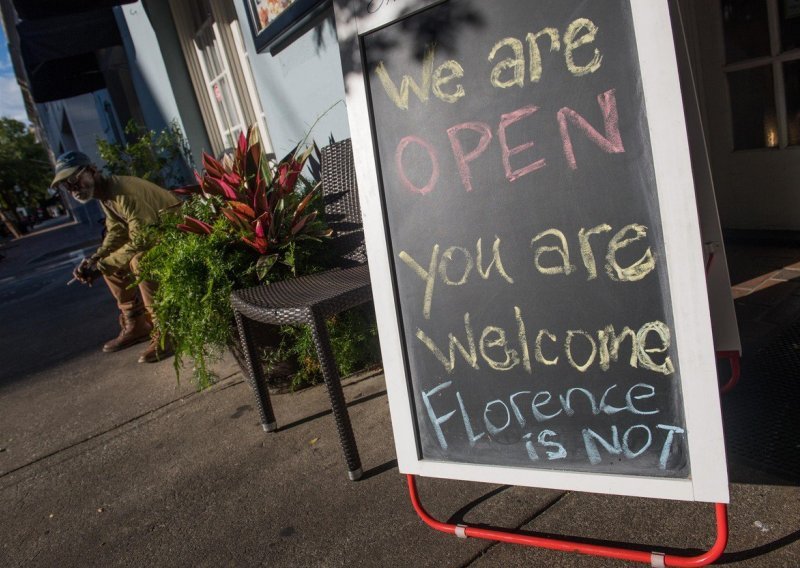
(534,247)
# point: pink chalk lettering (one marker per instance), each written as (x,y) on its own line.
(610,143)
(462,160)
(507,120)
(398,158)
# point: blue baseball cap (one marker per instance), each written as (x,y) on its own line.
(68,163)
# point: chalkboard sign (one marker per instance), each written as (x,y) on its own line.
(528,205)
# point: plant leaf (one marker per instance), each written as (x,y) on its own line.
(211,187)
(306,200)
(237,220)
(192,225)
(261,245)
(259,229)
(227,190)
(233,179)
(187,190)
(260,201)
(242,208)
(297,227)
(241,149)
(212,166)
(264,264)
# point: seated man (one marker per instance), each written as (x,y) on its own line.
(129,203)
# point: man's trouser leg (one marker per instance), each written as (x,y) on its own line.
(146,288)
(156,351)
(133,320)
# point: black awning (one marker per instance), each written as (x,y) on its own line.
(38,9)
(65,78)
(64,36)
(59,52)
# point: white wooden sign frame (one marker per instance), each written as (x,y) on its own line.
(684,257)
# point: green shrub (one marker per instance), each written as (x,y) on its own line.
(251,221)
(163,158)
(354,340)
(196,275)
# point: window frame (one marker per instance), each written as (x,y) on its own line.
(231,45)
(228,132)
(292,19)
(775,60)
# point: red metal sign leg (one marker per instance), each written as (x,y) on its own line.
(736,369)
(653,559)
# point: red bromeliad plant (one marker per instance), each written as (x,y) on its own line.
(268,205)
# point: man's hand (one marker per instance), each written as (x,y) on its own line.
(86,272)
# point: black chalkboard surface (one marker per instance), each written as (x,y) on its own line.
(523,222)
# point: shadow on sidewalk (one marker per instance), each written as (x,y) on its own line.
(760,414)
(47,327)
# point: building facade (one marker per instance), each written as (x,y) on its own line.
(216,67)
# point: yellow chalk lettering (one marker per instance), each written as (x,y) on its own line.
(573,40)
(440,79)
(511,360)
(610,343)
(539,356)
(470,355)
(523,339)
(563,250)
(639,269)
(495,261)
(428,276)
(568,349)
(662,331)
(400,96)
(586,249)
(535,55)
(447,258)
(516,64)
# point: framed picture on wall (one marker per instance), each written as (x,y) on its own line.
(274,20)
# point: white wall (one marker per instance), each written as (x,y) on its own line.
(155,85)
(298,85)
(147,68)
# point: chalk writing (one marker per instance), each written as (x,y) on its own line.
(499,353)
(429,276)
(528,258)
(455,266)
(507,72)
(375,5)
(444,74)
(524,409)
(610,143)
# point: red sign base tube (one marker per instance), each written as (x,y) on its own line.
(656,559)
(736,369)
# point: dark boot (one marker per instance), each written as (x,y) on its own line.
(135,329)
(155,352)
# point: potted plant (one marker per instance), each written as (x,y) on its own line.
(250,220)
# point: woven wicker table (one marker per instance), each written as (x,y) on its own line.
(309,300)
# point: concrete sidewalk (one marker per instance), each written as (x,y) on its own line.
(104,461)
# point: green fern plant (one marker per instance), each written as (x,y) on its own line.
(249,221)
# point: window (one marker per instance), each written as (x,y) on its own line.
(762,56)
(218,83)
(212,45)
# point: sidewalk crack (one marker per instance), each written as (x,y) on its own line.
(478,555)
